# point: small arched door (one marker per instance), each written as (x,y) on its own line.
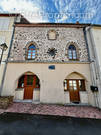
(28,82)
(29,85)
(74,86)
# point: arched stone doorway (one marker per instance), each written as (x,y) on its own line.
(75,85)
(29,83)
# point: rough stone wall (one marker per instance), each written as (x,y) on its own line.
(24,35)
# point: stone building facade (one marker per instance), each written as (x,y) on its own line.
(60,79)
(39,36)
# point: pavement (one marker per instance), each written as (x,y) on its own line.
(29,124)
(55,110)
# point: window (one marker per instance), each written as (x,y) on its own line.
(65,84)
(74,85)
(21,82)
(72,52)
(37,82)
(81,85)
(31,52)
(29,80)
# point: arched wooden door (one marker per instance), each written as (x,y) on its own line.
(29,85)
(74,86)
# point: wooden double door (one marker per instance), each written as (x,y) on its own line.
(29,85)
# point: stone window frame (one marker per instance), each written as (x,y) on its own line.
(77,51)
(56,34)
(26,50)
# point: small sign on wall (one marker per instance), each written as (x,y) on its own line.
(52,67)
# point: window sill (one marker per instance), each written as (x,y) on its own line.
(73,60)
(31,59)
(66,90)
(79,91)
(19,89)
(36,89)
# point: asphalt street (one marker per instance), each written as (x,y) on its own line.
(25,124)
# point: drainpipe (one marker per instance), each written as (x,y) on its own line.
(94,63)
(88,49)
(6,62)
